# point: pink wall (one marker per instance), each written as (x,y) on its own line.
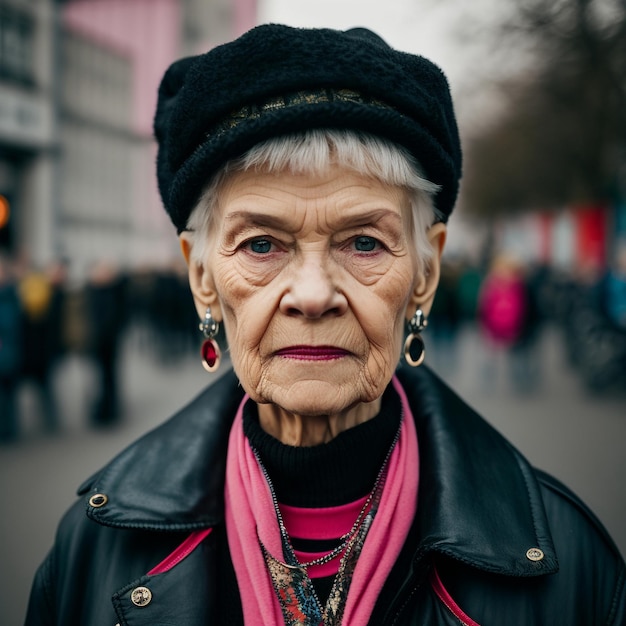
(245,16)
(148,31)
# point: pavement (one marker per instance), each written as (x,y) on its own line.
(577,437)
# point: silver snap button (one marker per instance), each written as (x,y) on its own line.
(141,596)
(534,554)
(98,500)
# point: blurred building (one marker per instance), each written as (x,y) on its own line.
(78,85)
(97,143)
(27,126)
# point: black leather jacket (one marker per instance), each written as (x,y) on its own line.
(481,507)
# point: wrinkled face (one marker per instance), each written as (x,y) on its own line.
(313,277)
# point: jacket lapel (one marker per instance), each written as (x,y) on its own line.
(479,501)
(173,477)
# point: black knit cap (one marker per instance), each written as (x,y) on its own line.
(276,80)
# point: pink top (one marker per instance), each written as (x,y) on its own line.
(325,523)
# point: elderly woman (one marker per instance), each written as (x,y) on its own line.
(310,174)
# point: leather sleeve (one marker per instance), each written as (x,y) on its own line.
(590,560)
(41,610)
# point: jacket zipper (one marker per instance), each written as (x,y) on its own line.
(401,609)
(405,593)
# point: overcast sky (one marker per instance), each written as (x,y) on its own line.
(437,29)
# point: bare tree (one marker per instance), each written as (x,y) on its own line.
(562,133)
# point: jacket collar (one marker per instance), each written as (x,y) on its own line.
(479,501)
(173,477)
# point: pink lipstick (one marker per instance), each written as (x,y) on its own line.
(312,353)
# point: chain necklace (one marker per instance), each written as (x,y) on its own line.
(296,594)
(344,539)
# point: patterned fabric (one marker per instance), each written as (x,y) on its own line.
(295,593)
(294,589)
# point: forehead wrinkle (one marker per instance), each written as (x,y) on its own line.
(324,205)
(369,204)
(326,218)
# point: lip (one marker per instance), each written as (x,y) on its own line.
(312,353)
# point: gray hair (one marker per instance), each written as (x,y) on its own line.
(315,152)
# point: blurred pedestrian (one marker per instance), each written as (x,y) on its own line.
(602,322)
(107,316)
(141,287)
(614,292)
(10,352)
(468,290)
(445,317)
(502,313)
(502,302)
(526,362)
(171,310)
(41,331)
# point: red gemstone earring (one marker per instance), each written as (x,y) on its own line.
(209,350)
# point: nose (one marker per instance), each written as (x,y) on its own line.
(313,292)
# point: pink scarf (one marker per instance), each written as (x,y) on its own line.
(250,517)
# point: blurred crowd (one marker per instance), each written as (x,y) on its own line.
(510,303)
(44,318)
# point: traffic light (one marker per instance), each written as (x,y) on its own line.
(5,211)
(5,226)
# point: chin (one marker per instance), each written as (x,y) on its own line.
(313,397)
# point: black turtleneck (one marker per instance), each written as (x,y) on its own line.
(330,474)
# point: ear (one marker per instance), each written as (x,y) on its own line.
(200,281)
(426,285)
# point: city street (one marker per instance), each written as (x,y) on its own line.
(559,427)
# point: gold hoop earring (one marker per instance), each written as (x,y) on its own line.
(414,340)
(210,350)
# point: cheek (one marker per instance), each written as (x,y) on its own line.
(381,315)
(384,330)
(242,339)
(233,291)
(385,312)
(233,294)
(247,313)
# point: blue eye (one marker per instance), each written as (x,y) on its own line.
(260,246)
(365,244)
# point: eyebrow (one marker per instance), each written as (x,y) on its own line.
(257,219)
(263,219)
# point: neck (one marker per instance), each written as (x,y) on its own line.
(312,430)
